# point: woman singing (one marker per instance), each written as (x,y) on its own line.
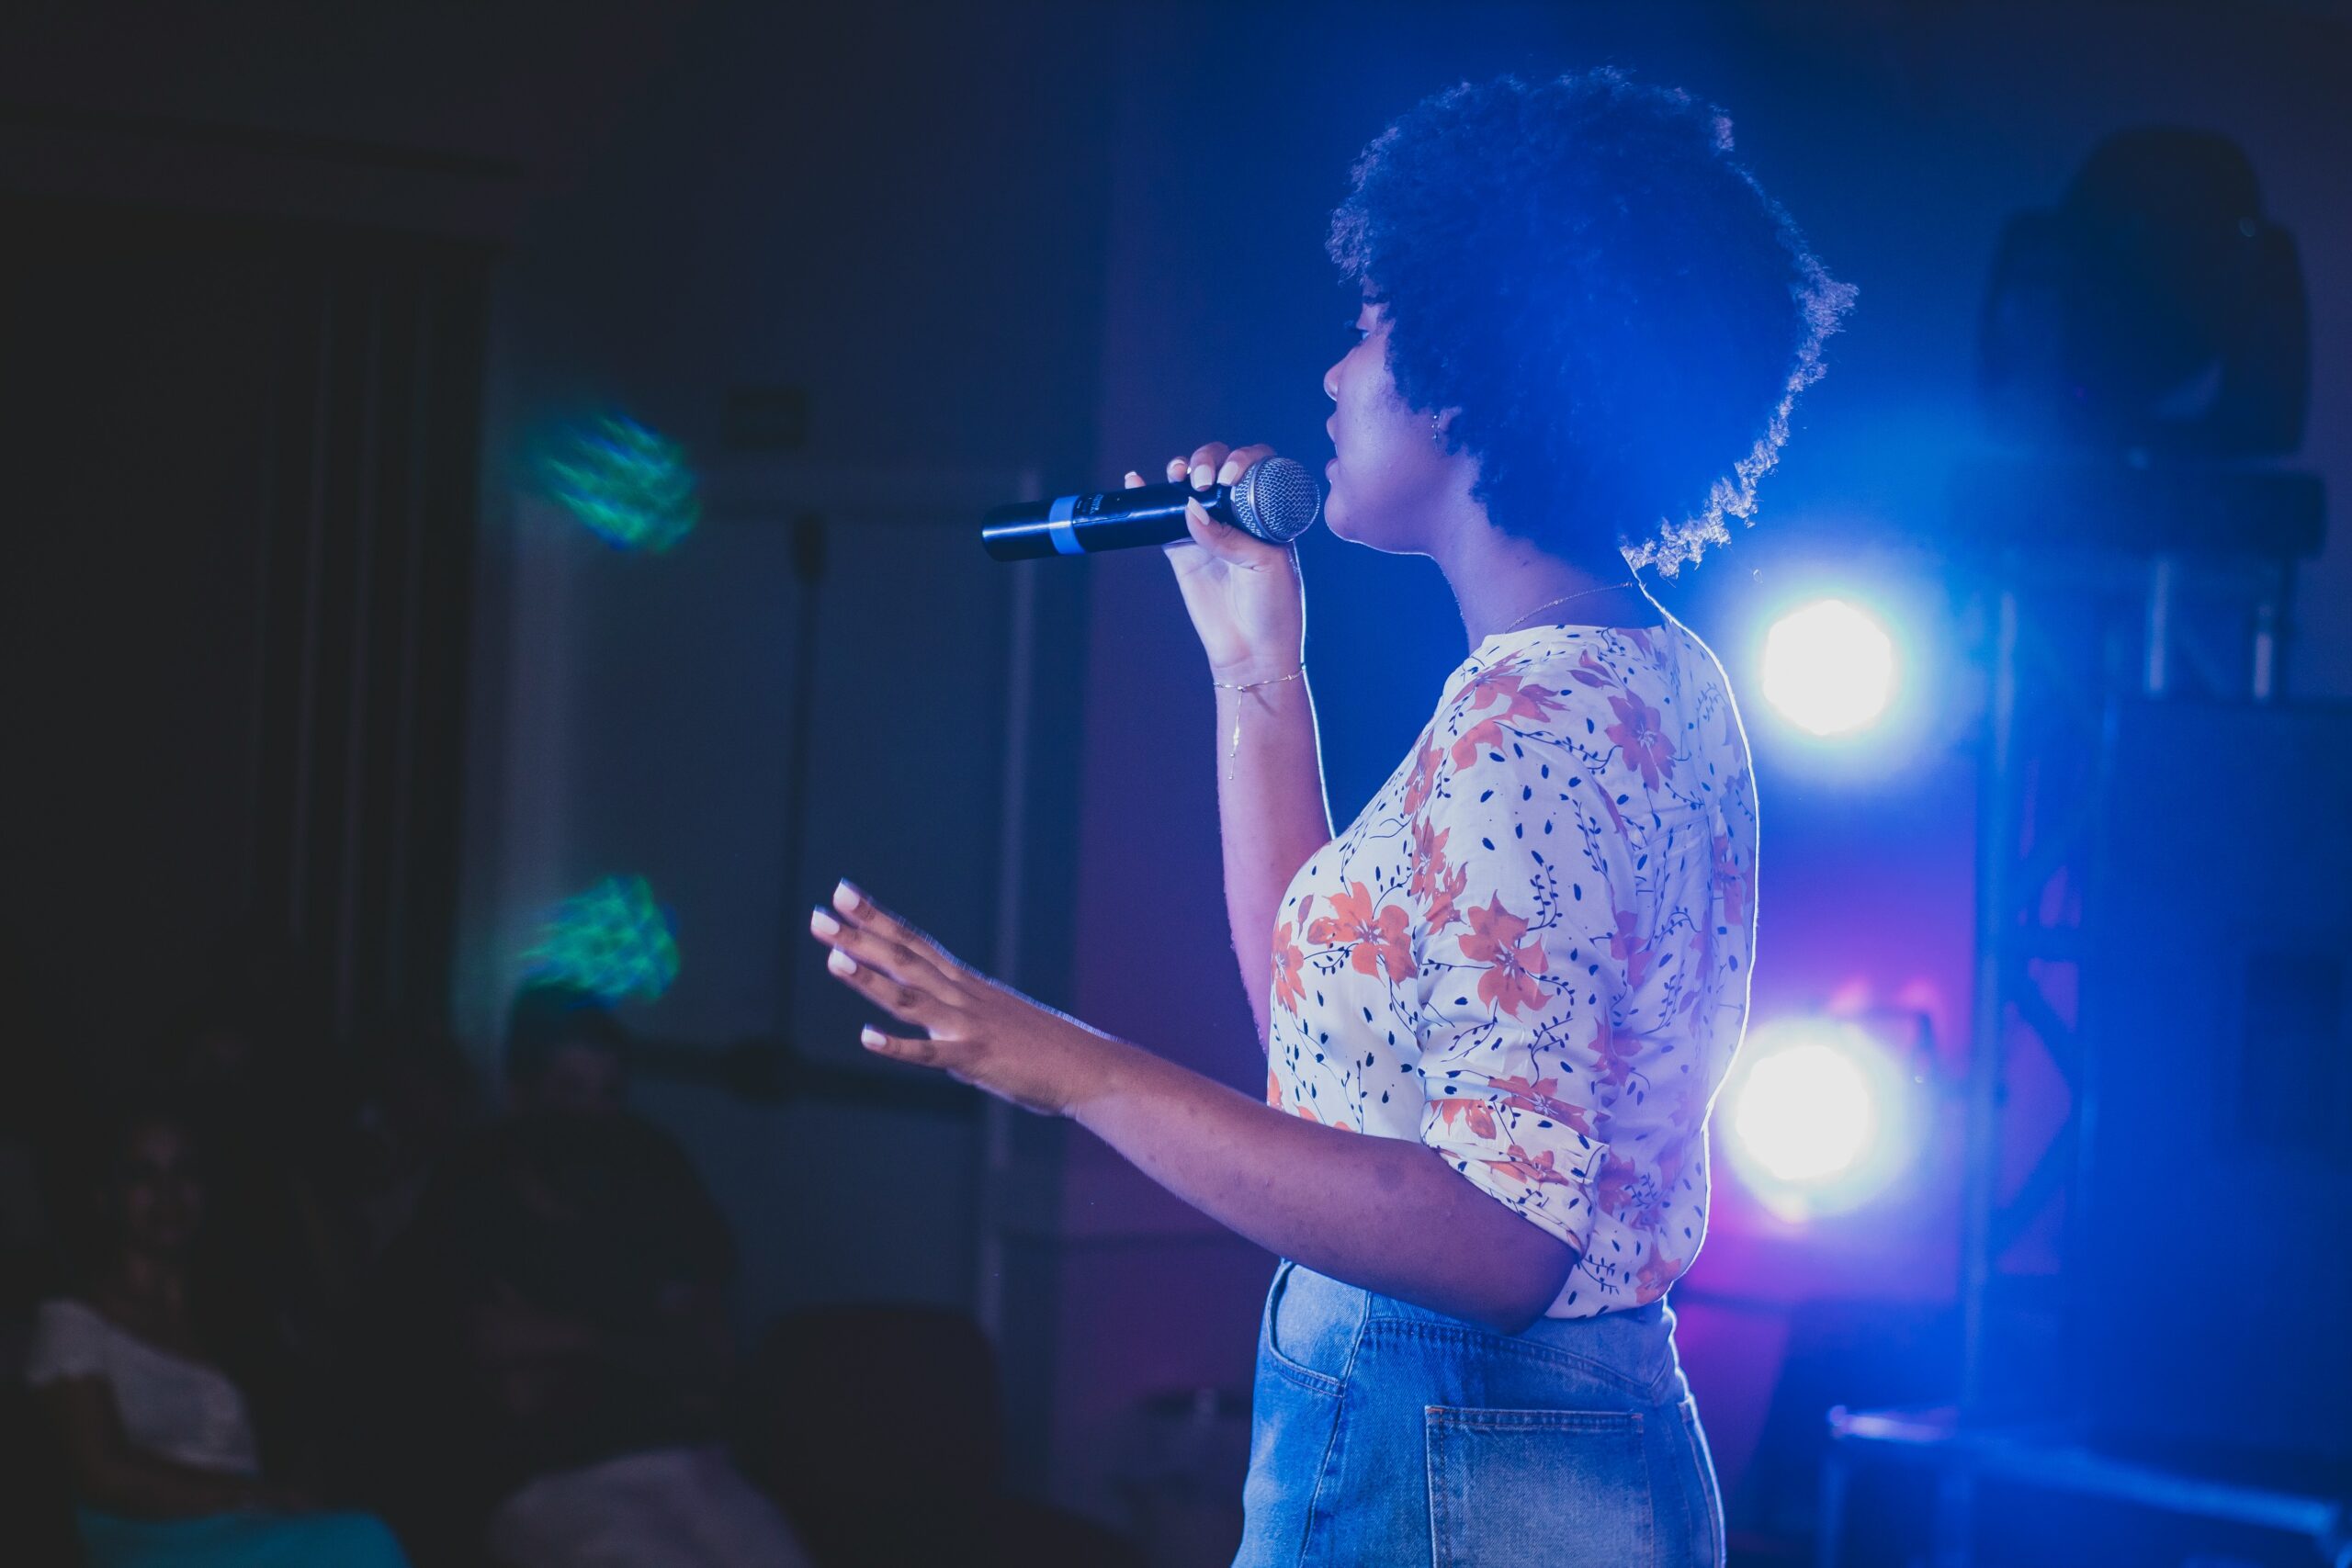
(1522,969)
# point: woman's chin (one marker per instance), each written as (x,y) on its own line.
(1340,525)
(1335,516)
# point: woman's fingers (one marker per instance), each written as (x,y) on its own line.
(862,911)
(867,951)
(1213,463)
(1207,532)
(877,939)
(910,1003)
(1206,460)
(1240,460)
(924,1051)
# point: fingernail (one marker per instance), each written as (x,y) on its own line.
(870,1038)
(845,898)
(1203,474)
(1134,476)
(822,924)
(841,963)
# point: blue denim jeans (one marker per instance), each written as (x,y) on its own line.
(1386,1434)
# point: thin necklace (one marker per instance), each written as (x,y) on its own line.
(1564,599)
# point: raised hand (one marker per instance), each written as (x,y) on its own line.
(976,1029)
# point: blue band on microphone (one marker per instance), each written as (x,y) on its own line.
(1059,529)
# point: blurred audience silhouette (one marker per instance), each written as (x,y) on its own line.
(279,1295)
(562,1298)
(164,1384)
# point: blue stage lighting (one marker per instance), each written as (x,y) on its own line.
(1824,1116)
(1829,668)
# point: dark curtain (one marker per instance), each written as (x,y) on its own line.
(239,490)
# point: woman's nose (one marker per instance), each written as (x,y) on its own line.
(1330,389)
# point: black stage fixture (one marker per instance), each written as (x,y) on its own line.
(2154,311)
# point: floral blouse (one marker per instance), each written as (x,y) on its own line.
(1531,949)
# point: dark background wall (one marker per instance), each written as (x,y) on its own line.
(1026,247)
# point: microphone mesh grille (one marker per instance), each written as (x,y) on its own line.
(1276,499)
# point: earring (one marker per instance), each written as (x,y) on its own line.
(1436,439)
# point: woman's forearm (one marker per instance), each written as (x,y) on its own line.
(1385,1214)
(1273,814)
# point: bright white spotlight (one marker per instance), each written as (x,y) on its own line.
(1822,1115)
(1805,1113)
(1828,667)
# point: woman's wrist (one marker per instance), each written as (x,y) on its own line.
(1254,671)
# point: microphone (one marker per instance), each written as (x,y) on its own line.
(1275,498)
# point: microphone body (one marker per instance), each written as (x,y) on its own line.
(1275,499)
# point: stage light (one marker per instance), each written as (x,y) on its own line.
(1822,1116)
(1805,1113)
(623,483)
(613,939)
(1828,667)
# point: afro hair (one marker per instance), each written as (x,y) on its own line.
(1622,315)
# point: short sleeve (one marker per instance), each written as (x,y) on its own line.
(68,1341)
(1517,981)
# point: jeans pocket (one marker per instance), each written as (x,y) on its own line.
(1301,1334)
(1561,1488)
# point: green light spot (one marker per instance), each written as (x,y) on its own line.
(613,939)
(623,483)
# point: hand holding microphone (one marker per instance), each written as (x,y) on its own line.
(1275,499)
(1227,515)
(1244,593)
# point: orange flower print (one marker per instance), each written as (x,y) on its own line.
(1632,951)
(1503,674)
(1481,1119)
(1646,745)
(1478,686)
(1616,1052)
(1494,940)
(1376,940)
(1273,1088)
(1422,783)
(1630,1193)
(1290,988)
(1434,882)
(1519,700)
(1443,910)
(1657,1272)
(1732,880)
(1537,1097)
(1485,732)
(1528,1170)
(1429,855)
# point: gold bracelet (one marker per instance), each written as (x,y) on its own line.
(1233,758)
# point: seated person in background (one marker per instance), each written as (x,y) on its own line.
(159,1438)
(568,1274)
